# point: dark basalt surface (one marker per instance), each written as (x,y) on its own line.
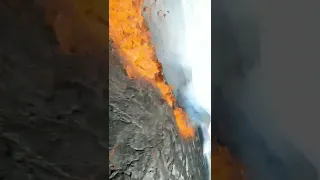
(144,142)
(54,113)
(53,109)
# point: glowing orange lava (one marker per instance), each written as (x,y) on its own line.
(80,26)
(132,38)
(133,42)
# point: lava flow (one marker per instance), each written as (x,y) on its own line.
(132,39)
(78,22)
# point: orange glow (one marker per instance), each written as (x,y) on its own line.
(224,167)
(132,39)
(80,27)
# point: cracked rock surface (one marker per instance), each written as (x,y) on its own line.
(53,107)
(54,113)
(143,139)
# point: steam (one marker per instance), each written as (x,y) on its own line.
(182,41)
(248,104)
(198,49)
(181,34)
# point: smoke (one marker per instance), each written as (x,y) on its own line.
(181,34)
(260,107)
(181,37)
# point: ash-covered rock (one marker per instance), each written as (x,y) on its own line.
(143,139)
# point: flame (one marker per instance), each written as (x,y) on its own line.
(81,24)
(132,39)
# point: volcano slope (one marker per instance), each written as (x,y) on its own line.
(142,133)
(53,116)
(54,112)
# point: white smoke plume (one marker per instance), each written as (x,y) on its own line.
(261,101)
(181,34)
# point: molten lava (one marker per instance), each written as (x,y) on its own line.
(132,39)
(80,26)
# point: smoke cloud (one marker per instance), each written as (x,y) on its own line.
(265,108)
(181,34)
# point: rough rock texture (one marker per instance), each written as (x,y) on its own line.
(53,107)
(143,137)
(54,115)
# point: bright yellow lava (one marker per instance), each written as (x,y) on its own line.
(133,42)
(132,39)
(80,27)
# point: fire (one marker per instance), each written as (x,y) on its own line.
(80,26)
(132,39)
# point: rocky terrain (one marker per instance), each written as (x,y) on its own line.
(143,136)
(53,106)
(54,111)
